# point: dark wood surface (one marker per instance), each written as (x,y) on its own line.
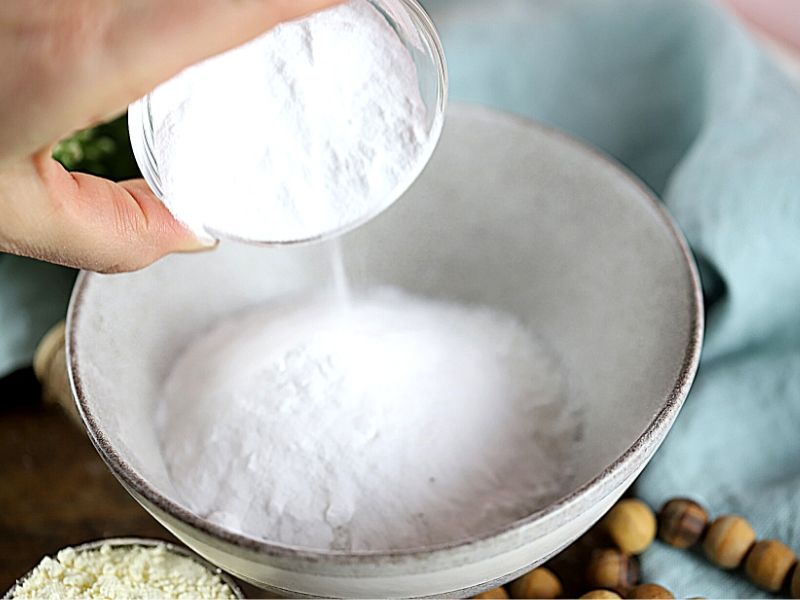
(55,490)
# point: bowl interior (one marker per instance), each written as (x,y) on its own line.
(507,214)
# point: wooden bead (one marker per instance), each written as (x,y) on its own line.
(611,569)
(794,587)
(50,367)
(728,540)
(681,522)
(539,583)
(769,563)
(601,595)
(494,594)
(650,590)
(631,525)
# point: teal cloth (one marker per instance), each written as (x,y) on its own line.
(33,298)
(680,94)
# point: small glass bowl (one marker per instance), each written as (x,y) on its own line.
(417,32)
(130,543)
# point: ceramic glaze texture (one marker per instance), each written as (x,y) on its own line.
(507,214)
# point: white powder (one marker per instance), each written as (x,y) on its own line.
(397,423)
(310,129)
(122,573)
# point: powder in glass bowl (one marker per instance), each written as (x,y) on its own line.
(311,128)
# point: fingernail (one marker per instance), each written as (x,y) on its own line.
(198,244)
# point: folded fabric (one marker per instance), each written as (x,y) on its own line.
(679,93)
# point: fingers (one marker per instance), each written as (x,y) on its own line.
(71,64)
(75,63)
(152,40)
(86,222)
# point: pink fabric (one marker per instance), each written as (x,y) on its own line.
(778,18)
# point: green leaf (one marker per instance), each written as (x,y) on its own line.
(104,150)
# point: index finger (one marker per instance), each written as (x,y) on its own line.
(154,39)
(79,62)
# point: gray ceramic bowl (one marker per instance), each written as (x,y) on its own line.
(134,542)
(508,214)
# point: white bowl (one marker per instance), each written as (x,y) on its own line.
(508,214)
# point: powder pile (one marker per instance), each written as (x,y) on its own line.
(394,423)
(308,130)
(123,572)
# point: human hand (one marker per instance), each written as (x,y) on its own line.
(73,63)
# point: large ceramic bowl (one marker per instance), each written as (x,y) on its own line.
(508,214)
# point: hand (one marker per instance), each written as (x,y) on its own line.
(72,63)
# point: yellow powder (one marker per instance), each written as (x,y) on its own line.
(121,573)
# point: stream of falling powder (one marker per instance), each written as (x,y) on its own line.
(341,285)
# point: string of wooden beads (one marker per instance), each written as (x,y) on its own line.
(601,595)
(631,525)
(539,583)
(611,569)
(682,523)
(728,542)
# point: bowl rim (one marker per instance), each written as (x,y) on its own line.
(624,465)
(130,542)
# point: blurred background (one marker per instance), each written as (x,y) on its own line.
(701,99)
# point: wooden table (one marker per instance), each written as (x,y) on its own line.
(55,490)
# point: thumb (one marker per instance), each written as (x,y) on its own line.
(86,222)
